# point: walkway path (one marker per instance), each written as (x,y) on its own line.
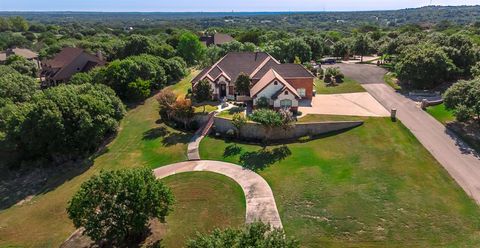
(258,194)
(461,162)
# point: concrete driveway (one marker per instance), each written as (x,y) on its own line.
(353,104)
(461,162)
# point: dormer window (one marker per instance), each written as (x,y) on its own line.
(275,82)
(286,92)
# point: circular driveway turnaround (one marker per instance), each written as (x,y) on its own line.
(258,194)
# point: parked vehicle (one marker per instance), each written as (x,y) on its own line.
(328,61)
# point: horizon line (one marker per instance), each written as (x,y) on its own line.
(232,11)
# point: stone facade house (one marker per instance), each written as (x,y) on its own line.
(68,62)
(282,84)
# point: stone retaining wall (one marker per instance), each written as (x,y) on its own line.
(257,132)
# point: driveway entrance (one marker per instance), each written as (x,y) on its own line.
(353,104)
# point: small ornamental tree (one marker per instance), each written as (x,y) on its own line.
(166,98)
(203,92)
(268,119)
(288,121)
(255,235)
(262,103)
(239,121)
(116,205)
(242,84)
(183,110)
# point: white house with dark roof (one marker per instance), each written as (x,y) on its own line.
(282,84)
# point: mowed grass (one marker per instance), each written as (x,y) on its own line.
(181,88)
(372,186)
(142,141)
(348,86)
(204,201)
(440,113)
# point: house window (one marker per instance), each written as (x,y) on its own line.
(286,103)
(275,83)
(301,92)
(286,93)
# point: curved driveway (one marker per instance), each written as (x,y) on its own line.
(461,162)
(259,197)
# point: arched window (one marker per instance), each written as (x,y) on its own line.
(286,103)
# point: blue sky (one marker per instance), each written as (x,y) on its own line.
(219,5)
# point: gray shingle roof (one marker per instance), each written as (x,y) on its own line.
(235,63)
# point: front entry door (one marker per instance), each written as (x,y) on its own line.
(223,90)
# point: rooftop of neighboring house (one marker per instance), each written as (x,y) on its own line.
(68,62)
(216,39)
(23,52)
(254,64)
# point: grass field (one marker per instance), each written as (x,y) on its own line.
(348,86)
(181,88)
(440,113)
(372,186)
(141,142)
(204,200)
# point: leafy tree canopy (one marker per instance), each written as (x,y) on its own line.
(117,205)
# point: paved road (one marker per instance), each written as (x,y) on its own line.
(258,194)
(457,158)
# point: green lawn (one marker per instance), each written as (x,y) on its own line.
(372,186)
(141,142)
(204,200)
(207,107)
(440,113)
(181,88)
(348,86)
(228,114)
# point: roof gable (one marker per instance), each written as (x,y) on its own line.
(269,78)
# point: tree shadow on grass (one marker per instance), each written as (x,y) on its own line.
(261,159)
(168,138)
(174,138)
(19,186)
(232,150)
(155,133)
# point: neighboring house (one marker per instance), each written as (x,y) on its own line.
(282,84)
(22,52)
(216,39)
(68,62)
